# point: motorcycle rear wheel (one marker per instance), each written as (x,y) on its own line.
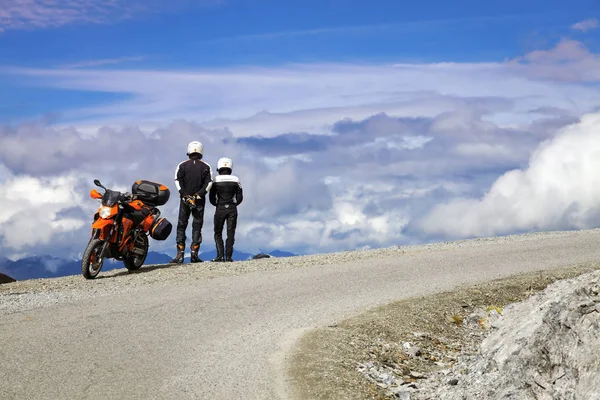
(91,263)
(133,262)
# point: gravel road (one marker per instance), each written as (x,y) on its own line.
(221,331)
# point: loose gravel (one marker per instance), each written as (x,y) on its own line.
(30,294)
(190,322)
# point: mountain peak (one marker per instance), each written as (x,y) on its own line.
(281,253)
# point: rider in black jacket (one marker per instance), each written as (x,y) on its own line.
(193,179)
(225,194)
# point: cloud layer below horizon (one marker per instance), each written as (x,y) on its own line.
(343,157)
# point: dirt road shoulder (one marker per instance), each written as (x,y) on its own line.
(406,340)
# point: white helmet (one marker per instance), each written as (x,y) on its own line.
(224,162)
(195,147)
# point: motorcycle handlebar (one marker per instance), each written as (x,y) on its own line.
(126,196)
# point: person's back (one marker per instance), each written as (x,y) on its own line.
(225,194)
(228,191)
(193,179)
(193,176)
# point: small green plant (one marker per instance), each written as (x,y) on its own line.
(497,308)
(456,319)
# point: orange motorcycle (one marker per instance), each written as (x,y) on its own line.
(122,225)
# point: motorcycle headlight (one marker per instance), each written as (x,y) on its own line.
(104,212)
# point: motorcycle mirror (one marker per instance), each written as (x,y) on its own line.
(97,183)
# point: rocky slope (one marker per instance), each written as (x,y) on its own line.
(547,347)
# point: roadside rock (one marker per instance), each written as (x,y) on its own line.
(6,279)
(547,347)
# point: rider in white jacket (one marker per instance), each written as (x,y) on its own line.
(225,194)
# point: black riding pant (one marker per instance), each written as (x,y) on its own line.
(225,215)
(198,220)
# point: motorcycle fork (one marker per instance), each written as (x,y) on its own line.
(110,232)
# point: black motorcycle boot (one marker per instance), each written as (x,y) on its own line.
(229,254)
(179,257)
(219,257)
(195,258)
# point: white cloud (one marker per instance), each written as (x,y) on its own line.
(276,162)
(322,167)
(376,168)
(30,208)
(483,149)
(392,28)
(38,14)
(586,25)
(52,265)
(568,61)
(106,61)
(359,186)
(270,100)
(559,189)
(24,14)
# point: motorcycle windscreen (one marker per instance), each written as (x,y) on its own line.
(110,198)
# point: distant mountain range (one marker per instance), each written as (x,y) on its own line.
(241,256)
(37,267)
(280,253)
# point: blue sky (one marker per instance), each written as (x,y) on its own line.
(179,35)
(352,124)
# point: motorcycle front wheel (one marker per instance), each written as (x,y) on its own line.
(91,264)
